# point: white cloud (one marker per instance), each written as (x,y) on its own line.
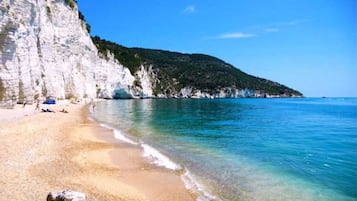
(292,22)
(189,9)
(257,30)
(277,27)
(236,35)
(271,30)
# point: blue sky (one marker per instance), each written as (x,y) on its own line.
(309,45)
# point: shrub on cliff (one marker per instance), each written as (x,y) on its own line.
(71,3)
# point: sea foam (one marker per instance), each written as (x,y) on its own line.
(119,135)
(90,119)
(158,158)
(161,160)
(192,184)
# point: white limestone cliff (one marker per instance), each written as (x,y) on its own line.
(46,51)
(145,77)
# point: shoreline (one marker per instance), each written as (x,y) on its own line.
(157,159)
(57,151)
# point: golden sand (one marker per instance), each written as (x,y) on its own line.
(43,152)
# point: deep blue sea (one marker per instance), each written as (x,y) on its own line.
(246,149)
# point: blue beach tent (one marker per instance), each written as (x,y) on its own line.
(49,102)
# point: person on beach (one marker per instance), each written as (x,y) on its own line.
(64,111)
(93,106)
(24,102)
(48,110)
(37,106)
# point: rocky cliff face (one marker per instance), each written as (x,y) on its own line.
(46,51)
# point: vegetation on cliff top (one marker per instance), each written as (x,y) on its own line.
(124,55)
(178,70)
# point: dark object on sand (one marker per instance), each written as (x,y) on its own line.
(49,102)
(66,195)
(47,110)
(64,111)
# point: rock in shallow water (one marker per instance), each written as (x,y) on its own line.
(66,195)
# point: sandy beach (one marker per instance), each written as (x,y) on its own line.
(43,152)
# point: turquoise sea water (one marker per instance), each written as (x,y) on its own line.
(247,149)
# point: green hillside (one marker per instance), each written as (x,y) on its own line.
(177,70)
